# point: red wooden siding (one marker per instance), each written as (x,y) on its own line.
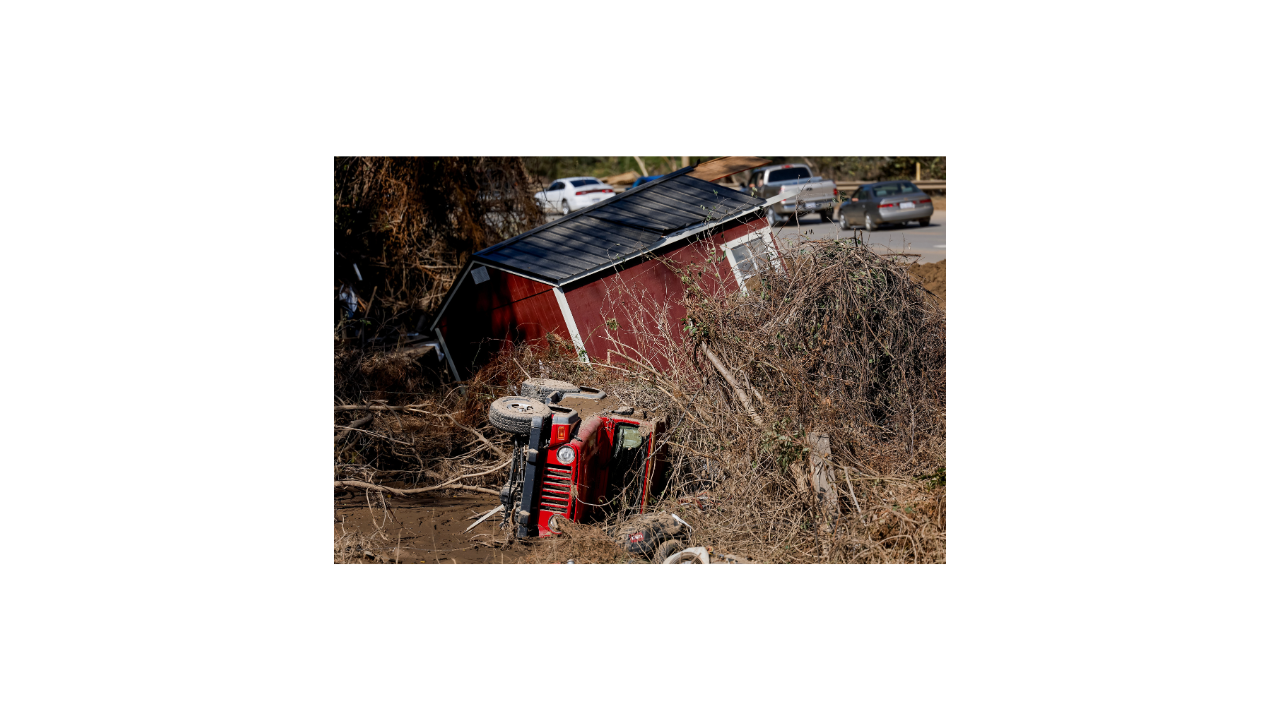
(631,297)
(480,319)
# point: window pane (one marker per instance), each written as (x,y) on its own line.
(742,258)
(580,183)
(788,174)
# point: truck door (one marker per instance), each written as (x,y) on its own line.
(630,449)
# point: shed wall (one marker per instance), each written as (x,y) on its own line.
(633,297)
(507,308)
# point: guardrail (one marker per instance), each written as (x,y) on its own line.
(847,188)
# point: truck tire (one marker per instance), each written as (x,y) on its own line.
(666,550)
(774,218)
(540,389)
(515,414)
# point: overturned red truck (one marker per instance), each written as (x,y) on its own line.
(578,454)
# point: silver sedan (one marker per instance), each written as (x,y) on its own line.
(885,203)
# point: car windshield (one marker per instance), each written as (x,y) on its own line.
(897,188)
(580,183)
(789,174)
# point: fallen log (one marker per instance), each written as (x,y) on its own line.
(410,491)
(346,430)
(737,388)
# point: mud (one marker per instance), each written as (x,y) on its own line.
(933,276)
(427,528)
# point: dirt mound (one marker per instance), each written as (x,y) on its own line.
(933,276)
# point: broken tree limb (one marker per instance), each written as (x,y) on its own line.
(851,493)
(346,430)
(486,517)
(471,430)
(737,387)
(375,407)
(452,485)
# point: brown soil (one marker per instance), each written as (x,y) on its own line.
(425,528)
(934,278)
(580,543)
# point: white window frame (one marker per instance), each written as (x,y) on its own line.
(770,250)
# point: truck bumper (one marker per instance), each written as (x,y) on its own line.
(806,206)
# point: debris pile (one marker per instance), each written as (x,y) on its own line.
(805,421)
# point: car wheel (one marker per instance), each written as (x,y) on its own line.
(844,222)
(925,221)
(869,223)
(774,218)
(564,207)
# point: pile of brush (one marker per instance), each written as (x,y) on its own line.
(837,342)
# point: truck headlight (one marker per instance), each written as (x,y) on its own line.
(565,455)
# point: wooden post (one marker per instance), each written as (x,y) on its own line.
(917,172)
(822,474)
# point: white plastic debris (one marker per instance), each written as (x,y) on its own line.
(677,517)
(689,556)
(347,297)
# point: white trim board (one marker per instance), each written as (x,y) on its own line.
(563,302)
(449,358)
(770,250)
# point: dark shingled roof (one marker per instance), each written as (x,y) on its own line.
(602,234)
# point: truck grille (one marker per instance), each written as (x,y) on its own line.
(554,497)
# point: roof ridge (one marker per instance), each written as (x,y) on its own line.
(575,213)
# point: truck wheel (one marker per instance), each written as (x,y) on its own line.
(515,414)
(666,550)
(540,389)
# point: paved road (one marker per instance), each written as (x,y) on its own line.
(930,242)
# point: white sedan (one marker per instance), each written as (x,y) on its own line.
(569,194)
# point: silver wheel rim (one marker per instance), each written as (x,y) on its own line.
(564,207)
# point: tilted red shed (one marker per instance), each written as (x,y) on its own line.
(608,277)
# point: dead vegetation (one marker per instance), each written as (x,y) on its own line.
(839,341)
(580,543)
(404,226)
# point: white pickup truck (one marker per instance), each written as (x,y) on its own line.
(803,192)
